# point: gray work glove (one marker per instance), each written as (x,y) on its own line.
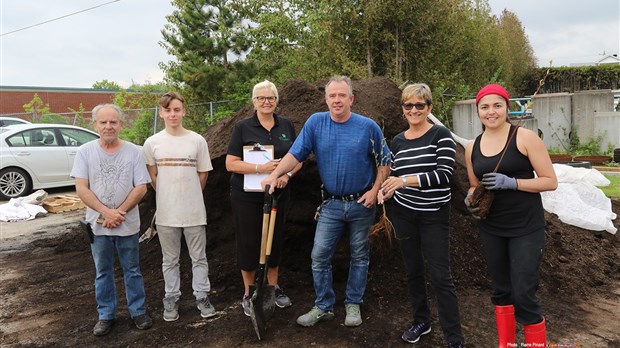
(498,181)
(472,210)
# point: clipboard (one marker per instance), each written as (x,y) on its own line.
(256,154)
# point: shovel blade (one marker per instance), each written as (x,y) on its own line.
(257,314)
(269,299)
(148,235)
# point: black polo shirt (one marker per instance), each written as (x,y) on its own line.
(249,131)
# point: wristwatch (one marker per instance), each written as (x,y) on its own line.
(290,175)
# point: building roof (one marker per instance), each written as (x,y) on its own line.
(609,59)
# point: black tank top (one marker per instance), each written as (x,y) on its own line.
(513,213)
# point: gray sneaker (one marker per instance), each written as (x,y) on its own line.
(314,316)
(354,316)
(282,300)
(205,307)
(171,308)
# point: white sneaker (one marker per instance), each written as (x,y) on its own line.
(354,316)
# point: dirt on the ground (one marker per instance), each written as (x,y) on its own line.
(47,293)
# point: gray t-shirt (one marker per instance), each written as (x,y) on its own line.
(111,176)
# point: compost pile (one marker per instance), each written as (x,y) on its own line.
(47,287)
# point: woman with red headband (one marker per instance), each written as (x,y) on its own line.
(513,233)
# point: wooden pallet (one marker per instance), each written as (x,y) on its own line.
(59,204)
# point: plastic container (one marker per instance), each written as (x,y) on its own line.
(580,164)
(560,158)
(594,160)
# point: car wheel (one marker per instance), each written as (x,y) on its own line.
(14,182)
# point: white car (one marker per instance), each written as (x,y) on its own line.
(38,156)
(9,121)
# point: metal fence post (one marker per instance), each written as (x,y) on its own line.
(155,120)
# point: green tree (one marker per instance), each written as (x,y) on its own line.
(105,84)
(37,108)
(202,34)
(518,57)
(139,104)
(456,46)
(79,119)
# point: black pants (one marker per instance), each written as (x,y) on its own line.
(248,219)
(513,264)
(426,235)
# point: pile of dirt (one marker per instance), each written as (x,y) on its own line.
(46,287)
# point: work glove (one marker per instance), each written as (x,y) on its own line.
(472,210)
(498,181)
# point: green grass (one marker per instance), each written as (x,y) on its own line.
(613,190)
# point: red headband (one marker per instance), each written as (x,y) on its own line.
(493,89)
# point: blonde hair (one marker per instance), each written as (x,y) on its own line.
(420,90)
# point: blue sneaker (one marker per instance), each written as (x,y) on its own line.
(416,331)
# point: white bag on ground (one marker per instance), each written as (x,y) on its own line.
(578,202)
(17,210)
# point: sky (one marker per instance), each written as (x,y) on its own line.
(118,40)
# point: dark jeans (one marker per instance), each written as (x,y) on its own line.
(513,266)
(426,235)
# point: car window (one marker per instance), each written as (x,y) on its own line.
(34,137)
(19,139)
(76,137)
(49,138)
(4,123)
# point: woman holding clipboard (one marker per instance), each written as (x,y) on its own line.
(262,128)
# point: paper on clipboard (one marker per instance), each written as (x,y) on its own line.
(257,154)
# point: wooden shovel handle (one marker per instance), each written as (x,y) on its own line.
(265,230)
(263,243)
(272,223)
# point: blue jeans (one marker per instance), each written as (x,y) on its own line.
(336,218)
(128,250)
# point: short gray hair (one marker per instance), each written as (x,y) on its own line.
(97,108)
(340,79)
(265,85)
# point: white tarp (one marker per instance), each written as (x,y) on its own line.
(578,201)
(17,209)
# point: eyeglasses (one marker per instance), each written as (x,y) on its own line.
(418,106)
(264,99)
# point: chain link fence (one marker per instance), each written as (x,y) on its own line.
(84,118)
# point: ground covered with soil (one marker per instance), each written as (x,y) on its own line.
(47,294)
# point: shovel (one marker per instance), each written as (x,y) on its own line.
(262,302)
(150,232)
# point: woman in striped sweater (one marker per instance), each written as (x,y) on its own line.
(420,186)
